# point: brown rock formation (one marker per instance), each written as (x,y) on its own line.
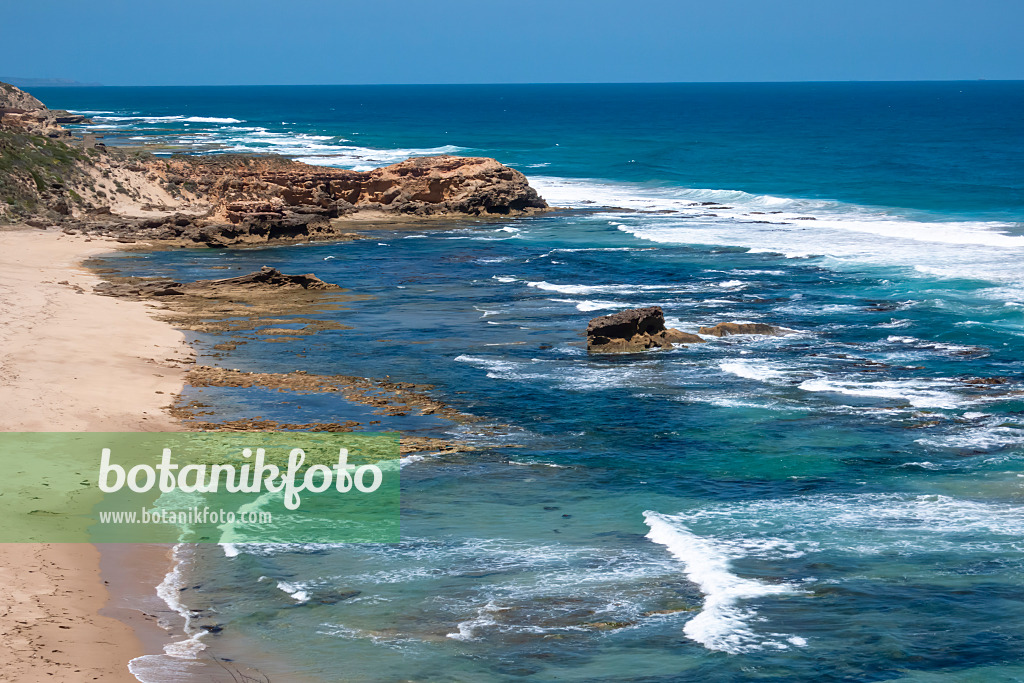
(227,200)
(270,277)
(634,330)
(236,199)
(470,185)
(18,108)
(12,97)
(265,277)
(727,329)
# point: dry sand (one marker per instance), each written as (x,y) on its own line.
(71,361)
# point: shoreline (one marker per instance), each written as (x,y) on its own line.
(76,361)
(85,361)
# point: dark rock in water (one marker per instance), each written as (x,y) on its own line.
(727,329)
(626,324)
(269,277)
(61,116)
(882,306)
(986,381)
(634,330)
(334,597)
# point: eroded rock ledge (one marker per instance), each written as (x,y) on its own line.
(242,200)
(254,200)
(263,278)
(384,396)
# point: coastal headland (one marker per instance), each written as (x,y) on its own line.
(49,177)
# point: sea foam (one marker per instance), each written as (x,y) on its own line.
(847,235)
(918,393)
(180,656)
(169,119)
(724,623)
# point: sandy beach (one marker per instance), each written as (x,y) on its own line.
(71,361)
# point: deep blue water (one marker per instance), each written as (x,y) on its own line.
(841,504)
(948,147)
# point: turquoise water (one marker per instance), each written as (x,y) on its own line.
(842,504)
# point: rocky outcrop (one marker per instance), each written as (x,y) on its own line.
(18,108)
(265,278)
(244,188)
(233,200)
(227,200)
(448,184)
(637,329)
(727,329)
(269,277)
(12,97)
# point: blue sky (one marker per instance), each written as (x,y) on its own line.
(222,42)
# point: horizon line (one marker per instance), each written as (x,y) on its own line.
(78,85)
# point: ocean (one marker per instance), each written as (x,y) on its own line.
(839,504)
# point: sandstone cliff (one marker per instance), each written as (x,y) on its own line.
(12,97)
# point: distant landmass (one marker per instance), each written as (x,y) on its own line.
(46,82)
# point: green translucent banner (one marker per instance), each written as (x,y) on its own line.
(208,487)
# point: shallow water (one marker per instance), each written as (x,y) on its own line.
(839,504)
